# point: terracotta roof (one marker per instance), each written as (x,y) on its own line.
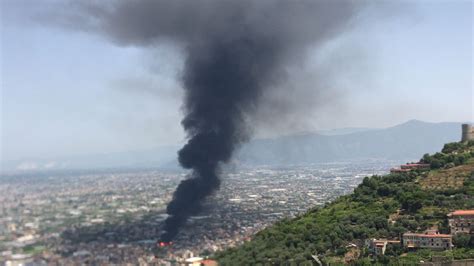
(463,212)
(209,262)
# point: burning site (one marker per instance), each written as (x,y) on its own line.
(235,52)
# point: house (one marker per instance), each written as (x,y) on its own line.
(461,221)
(396,170)
(194,261)
(377,247)
(427,240)
(409,167)
(416,166)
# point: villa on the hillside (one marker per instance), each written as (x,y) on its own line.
(377,247)
(397,170)
(416,166)
(427,240)
(461,221)
(409,167)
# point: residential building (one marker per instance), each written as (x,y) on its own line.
(416,166)
(194,261)
(377,247)
(409,167)
(428,240)
(396,170)
(461,221)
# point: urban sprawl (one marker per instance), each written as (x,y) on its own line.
(116,217)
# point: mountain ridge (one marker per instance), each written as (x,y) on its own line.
(405,141)
(298,148)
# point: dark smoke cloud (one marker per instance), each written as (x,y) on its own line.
(235,51)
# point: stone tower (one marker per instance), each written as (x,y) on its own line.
(467,132)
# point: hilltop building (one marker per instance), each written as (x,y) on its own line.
(416,166)
(467,132)
(428,240)
(397,170)
(461,221)
(409,167)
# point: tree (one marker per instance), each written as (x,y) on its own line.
(426,158)
(411,202)
(380,223)
(450,147)
(461,240)
(394,250)
(435,164)
(443,227)
(384,190)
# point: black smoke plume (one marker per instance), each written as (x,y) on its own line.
(234,51)
(223,80)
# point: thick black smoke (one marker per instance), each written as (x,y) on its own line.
(223,80)
(234,50)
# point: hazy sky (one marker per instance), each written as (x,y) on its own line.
(70,92)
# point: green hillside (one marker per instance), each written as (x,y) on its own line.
(381,207)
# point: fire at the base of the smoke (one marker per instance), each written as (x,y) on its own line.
(162,244)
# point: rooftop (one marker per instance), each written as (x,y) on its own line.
(194,259)
(462,212)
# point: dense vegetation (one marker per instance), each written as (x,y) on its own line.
(380,207)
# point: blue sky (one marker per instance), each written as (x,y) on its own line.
(69,92)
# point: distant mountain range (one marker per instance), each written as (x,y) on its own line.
(343,131)
(402,142)
(405,141)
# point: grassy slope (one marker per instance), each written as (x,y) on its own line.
(381,207)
